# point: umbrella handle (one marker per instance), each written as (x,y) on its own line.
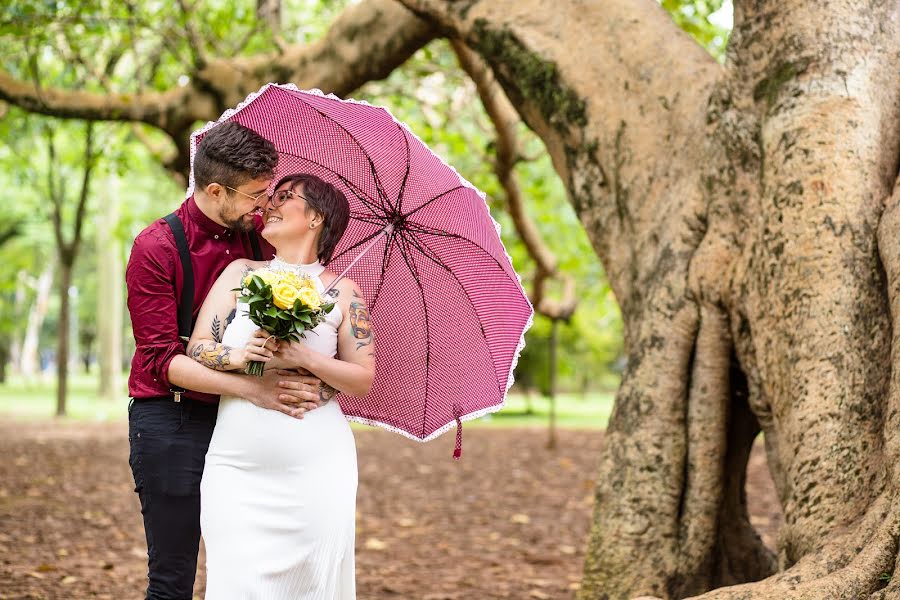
(387,231)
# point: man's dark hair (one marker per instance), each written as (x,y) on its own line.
(329,202)
(232,154)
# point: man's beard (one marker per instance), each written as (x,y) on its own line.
(244,223)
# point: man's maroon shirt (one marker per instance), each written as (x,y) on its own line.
(154,278)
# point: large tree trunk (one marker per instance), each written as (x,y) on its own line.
(736,210)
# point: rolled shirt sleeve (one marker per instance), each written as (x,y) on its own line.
(151,279)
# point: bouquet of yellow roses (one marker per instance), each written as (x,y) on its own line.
(283,303)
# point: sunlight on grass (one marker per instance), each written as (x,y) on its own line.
(37,400)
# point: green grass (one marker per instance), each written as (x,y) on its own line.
(37,400)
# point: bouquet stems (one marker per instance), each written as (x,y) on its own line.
(255,367)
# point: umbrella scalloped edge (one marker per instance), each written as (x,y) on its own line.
(317,92)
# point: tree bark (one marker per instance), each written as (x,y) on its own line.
(736,210)
(62,339)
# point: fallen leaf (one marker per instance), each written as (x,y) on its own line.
(375,544)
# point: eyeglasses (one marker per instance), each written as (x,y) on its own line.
(254,198)
(279,198)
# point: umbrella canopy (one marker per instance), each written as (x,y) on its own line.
(448,309)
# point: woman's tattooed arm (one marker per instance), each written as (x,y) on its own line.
(215,356)
(212,353)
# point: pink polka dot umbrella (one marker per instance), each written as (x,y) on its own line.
(448,309)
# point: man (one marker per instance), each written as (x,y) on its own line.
(170,431)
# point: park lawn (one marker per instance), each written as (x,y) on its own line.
(37,400)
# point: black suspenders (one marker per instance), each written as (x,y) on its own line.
(186,302)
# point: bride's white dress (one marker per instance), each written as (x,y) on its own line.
(278,495)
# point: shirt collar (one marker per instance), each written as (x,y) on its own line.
(203,222)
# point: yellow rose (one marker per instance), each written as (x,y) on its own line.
(267,276)
(284,294)
(310,298)
(291,278)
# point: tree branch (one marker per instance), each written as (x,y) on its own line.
(608,118)
(54,191)
(505,119)
(90,160)
(367,41)
(197,46)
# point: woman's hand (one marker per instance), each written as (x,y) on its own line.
(295,354)
(260,347)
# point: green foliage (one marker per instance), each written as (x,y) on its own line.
(703,20)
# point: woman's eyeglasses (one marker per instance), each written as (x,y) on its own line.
(279,198)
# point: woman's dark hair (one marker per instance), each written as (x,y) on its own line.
(232,154)
(329,202)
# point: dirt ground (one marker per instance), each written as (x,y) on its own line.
(509,520)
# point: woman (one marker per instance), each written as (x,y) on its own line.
(278,495)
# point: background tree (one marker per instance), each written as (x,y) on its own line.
(68,245)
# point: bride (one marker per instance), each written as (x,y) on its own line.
(278,495)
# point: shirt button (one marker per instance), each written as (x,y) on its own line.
(216,236)
(228,252)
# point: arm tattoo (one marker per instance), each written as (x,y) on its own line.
(360,323)
(326,392)
(216,357)
(230,318)
(215,329)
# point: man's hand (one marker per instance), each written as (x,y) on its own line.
(284,391)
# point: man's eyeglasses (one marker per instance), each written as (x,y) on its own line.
(254,198)
(279,198)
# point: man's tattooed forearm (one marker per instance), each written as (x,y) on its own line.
(216,356)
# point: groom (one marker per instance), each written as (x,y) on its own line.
(172,267)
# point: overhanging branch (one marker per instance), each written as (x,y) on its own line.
(505,119)
(367,41)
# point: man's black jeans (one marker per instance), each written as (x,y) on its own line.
(168,445)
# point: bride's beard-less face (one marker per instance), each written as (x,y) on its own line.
(289,232)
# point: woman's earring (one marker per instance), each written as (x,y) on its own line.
(312,225)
